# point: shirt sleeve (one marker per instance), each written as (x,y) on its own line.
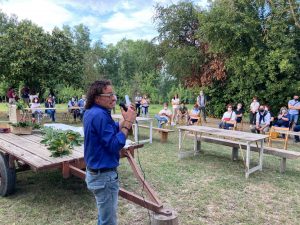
(233,117)
(112,139)
(268,119)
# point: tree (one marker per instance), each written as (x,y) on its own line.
(261,45)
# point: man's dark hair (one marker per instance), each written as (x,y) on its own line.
(95,90)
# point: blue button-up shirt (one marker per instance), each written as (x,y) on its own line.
(103,139)
(294,103)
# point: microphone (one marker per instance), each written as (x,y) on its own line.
(122,105)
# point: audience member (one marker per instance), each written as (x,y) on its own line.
(297,129)
(11,95)
(81,105)
(25,95)
(202,101)
(194,114)
(50,111)
(36,111)
(175,106)
(272,118)
(73,107)
(294,107)
(239,112)
(138,99)
(183,113)
(228,116)
(262,121)
(253,111)
(145,105)
(164,115)
(283,118)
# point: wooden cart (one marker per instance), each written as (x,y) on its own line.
(26,152)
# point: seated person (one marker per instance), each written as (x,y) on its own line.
(73,107)
(229,115)
(297,129)
(194,115)
(239,112)
(272,118)
(263,119)
(36,113)
(283,119)
(81,104)
(51,112)
(182,113)
(164,115)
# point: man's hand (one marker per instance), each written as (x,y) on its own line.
(130,115)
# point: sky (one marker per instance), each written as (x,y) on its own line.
(108,20)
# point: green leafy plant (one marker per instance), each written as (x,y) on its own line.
(22,124)
(21,105)
(61,142)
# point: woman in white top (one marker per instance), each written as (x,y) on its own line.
(253,110)
(35,110)
(229,115)
(175,105)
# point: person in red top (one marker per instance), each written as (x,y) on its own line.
(11,94)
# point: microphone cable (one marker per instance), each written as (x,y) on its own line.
(142,170)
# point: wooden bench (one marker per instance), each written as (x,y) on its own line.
(281,153)
(163,132)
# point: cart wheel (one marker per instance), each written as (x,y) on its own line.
(7,177)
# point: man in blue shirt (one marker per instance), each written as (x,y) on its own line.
(294,106)
(103,140)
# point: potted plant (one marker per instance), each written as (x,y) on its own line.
(22,127)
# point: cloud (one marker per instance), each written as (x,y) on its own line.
(47,14)
(108,20)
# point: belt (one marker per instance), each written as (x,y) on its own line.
(102,170)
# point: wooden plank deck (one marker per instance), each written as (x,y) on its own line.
(29,149)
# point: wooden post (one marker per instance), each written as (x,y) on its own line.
(164,136)
(235,153)
(282,165)
(199,146)
(66,170)
(158,219)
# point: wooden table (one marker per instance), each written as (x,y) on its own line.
(136,129)
(246,137)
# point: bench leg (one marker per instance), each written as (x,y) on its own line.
(199,146)
(163,137)
(235,153)
(282,165)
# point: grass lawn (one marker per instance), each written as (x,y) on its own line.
(207,189)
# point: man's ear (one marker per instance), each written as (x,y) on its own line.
(97,100)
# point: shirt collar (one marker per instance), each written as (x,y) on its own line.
(101,107)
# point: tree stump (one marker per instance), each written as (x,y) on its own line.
(158,219)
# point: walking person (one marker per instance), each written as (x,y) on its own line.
(103,140)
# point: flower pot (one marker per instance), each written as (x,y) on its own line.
(21,130)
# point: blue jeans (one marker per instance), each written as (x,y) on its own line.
(105,187)
(225,125)
(51,113)
(297,129)
(294,118)
(160,120)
